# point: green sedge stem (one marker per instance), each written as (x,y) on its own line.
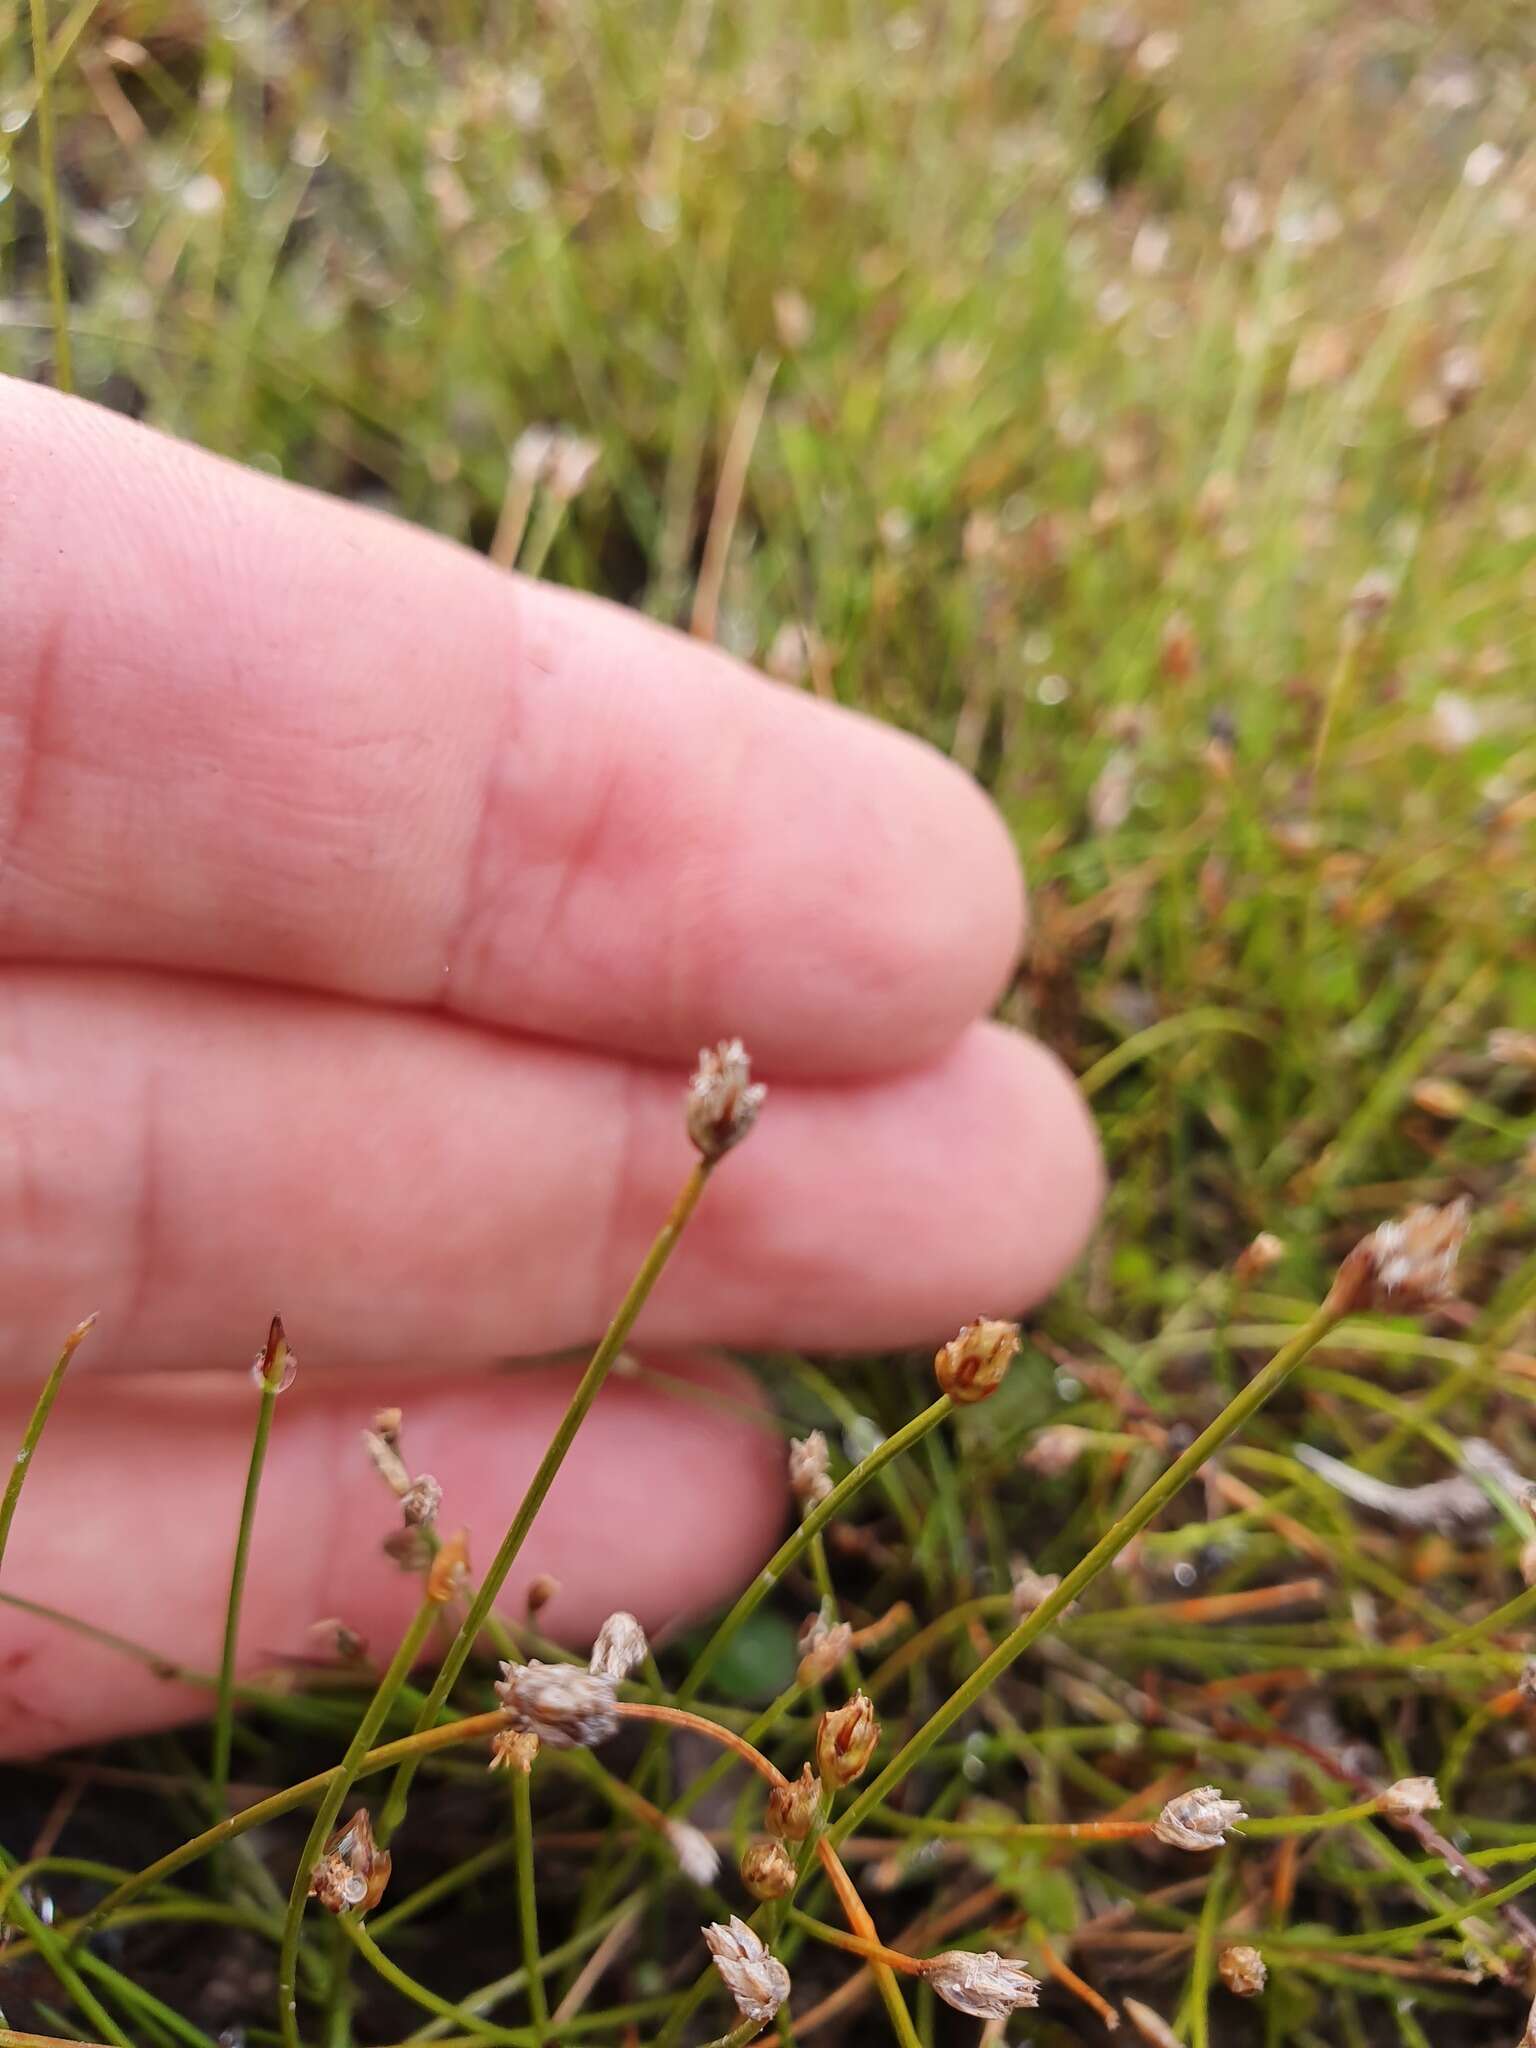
(794,1545)
(581,1401)
(21,1464)
(1259,1389)
(527,1900)
(447,1735)
(418,1994)
(48,172)
(1308,1823)
(55,1953)
(330,1806)
(274,1363)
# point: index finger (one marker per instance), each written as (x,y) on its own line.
(248,730)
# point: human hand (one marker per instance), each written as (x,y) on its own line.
(362,909)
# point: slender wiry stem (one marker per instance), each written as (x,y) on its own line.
(48,174)
(429,2001)
(21,1464)
(426,1742)
(274,1365)
(581,1401)
(527,1898)
(330,1805)
(1244,1405)
(794,1545)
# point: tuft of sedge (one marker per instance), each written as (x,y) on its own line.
(1405,1264)
(973,1364)
(514,1749)
(1242,1970)
(620,1648)
(756,1979)
(1408,1799)
(1197,1820)
(448,1573)
(353,1870)
(846,1739)
(985,1985)
(810,1476)
(1149,2024)
(792,1807)
(768,1870)
(723,1100)
(697,1857)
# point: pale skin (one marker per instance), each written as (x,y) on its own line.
(362,910)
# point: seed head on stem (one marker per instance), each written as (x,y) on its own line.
(985,1985)
(353,1871)
(974,1363)
(723,1100)
(1409,1798)
(846,1740)
(620,1647)
(1197,1820)
(1242,1970)
(768,1870)
(810,1476)
(565,1707)
(757,1980)
(697,1857)
(1405,1264)
(792,1807)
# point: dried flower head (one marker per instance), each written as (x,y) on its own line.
(1255,1259)
(1149,2024)
(1197,1820)
(1512,1048)
(386,1423)
(531,453)
(792,1807)
(411,1549)
(810,1478)
(1242,1970)
(353,1871)
(387,1461)
(757,1981)
(420,1502)
(1056,1450)
(723,1100)
(274,1367)
(572,461)
(972,1365)
(564,1706)
(845,1740)
(1460,377)
(985,1985)
(1409,1798)
(540,1592)
(1030,1588)
(333,1637)
(823,1646)
(697,1857)
(448,1573)
(513,1749)
(1406,1263)
(768,1870)
(620,1647)
(1371,596)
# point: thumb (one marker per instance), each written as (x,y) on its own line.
(670,1497)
